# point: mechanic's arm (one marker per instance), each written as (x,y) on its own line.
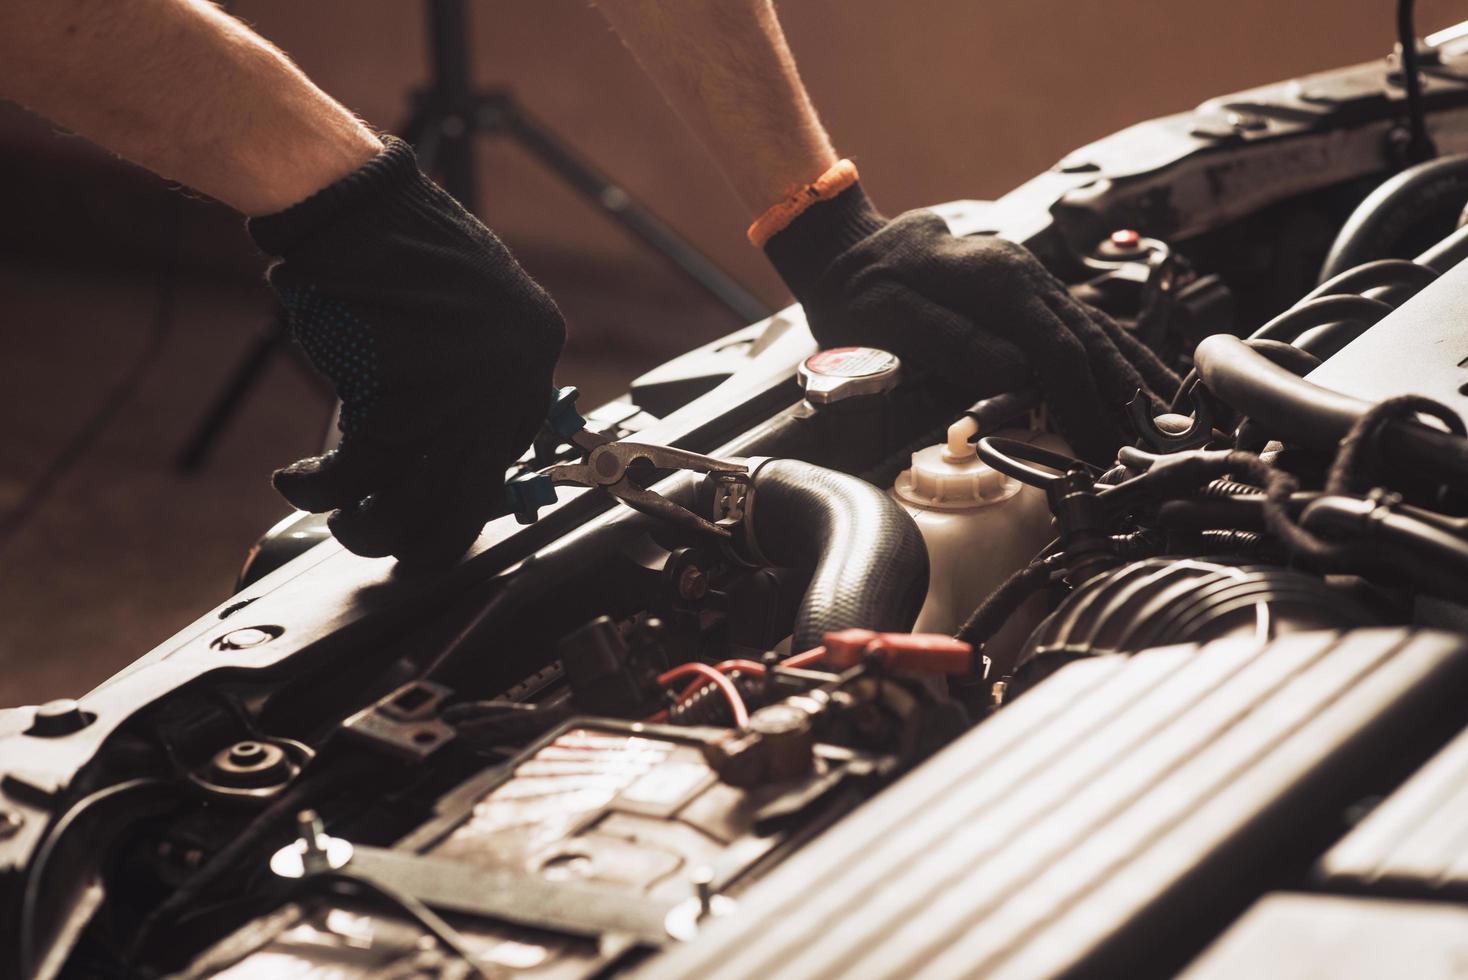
(185,90)
(979,312)
(726,70)
(439,344)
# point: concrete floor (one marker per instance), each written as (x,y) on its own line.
(127,550)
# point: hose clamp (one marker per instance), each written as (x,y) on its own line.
(1382,501)
(744,547)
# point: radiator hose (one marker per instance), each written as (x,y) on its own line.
(869,566)
(1299,411)
(1396,209)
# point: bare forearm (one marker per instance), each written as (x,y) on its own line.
(183,89)
(727,71)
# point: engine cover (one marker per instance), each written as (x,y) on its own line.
(1421,348)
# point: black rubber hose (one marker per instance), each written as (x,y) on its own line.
(1327,309)
(1028,463)
(1295,410)
(1432,559)
(1446,253)
(869,564)
(1397,207)
(1285,355)
(1328,339)
(1375,275)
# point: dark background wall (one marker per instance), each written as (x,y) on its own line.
(935,99)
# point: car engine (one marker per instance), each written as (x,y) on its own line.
(940,698)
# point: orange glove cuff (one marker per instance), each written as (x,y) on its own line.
(841,176)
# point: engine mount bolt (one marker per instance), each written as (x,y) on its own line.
(250,764)
(246,753)
(692,583)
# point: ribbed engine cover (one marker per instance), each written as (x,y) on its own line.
(1109,823)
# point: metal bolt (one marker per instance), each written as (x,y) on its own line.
(10,823)
(312,830)
(313,852)
(703,889)
(692,583)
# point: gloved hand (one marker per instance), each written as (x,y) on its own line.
(440,346)
(980,312)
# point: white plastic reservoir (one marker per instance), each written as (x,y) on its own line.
(980,526)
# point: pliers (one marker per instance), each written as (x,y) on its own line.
(605,466)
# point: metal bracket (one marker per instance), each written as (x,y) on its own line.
(406,722)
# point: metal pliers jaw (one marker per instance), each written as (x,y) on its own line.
(606,467)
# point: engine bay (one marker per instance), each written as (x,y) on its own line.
(940,699)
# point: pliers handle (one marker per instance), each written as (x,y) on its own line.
(606,466)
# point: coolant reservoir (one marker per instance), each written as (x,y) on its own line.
(979,526)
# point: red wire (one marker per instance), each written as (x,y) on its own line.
(715,675)
(748,666)
(805,659)
(707,673)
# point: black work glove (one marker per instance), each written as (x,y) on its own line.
(440,346)
(981,313)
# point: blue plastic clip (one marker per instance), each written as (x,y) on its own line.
(563,419)
(527,493)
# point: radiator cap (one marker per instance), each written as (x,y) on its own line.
(845,372)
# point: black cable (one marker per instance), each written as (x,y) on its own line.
(255,832)
(1359,445)
(25,945)
(120,394)
(460,639)
(1419,146)
(998,606)
(1180,473)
